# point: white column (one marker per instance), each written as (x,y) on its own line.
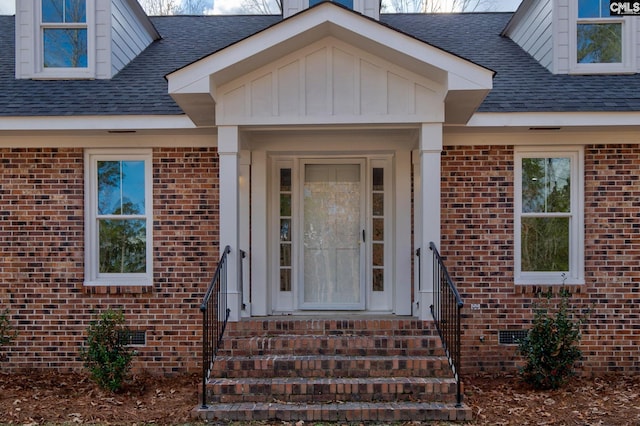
(260,301)
(229,152)
(402,295)
(244,180)
(429,206)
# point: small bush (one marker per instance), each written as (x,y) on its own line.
(106,354)
(7,332)
(551,346)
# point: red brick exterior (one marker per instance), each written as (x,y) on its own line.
(42,248)
(42,270)
(477,241)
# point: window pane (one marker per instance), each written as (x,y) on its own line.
(65,48)
(285,279)
(285,229)
(285,180)
(285,204)
(285,254)
(546,185)
(348,3)
(121,187)
(599,43)
(378,204)
(123,246)
(64,11)
(378,229)
(378,179)
(545,244)
(378,280)
(75,11)
(378,255)
(52,10)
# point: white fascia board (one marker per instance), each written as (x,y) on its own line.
(115,122)
(554,119)
(480,81)
(182,85)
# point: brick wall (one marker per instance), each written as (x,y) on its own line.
(42,248)
(477,242)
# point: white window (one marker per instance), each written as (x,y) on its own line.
(119,217)
(347,3)
(602,43)
(65,39)
(548,223)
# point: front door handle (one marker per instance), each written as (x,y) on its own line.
(364,240)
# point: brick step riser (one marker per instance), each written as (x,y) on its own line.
(264,368)
(345,413)
(313,393)
(392,327)
(289,345)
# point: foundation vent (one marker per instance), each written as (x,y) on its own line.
(134,337)
(511,337)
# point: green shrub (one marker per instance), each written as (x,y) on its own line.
(106,354)
(551,346)
(7,332)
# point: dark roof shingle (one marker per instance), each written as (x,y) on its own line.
(521,84)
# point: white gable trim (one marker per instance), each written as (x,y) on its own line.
(325,20)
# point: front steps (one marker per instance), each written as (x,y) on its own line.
(356,369)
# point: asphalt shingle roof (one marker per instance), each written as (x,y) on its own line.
(521,84)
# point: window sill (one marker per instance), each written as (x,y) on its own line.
(65,74)
(594,69)
(119,286)
(548,281)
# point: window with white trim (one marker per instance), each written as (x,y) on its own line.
(119,217)
(65,39)
(602,43)
(549,230)
(347,3)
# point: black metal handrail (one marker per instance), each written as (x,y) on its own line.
(446,310)
(215,315)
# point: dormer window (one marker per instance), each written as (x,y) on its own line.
(602,42)
(64,39)
(64,34)
(346,3)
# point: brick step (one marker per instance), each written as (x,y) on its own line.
(323,390)
(352,345)
(364,326)
(335,412)
(330,366)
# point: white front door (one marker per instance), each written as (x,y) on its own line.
(331,275)
(332,246)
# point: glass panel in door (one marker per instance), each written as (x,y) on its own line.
(332,198)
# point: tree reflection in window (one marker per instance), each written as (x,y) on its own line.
(64,33)
(121,221)
(546,208)
(598,41)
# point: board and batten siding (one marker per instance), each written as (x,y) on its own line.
(128,36)
(533,31)
(330,82)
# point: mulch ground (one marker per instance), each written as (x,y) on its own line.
(51,398)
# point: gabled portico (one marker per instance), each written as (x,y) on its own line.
(329,99)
